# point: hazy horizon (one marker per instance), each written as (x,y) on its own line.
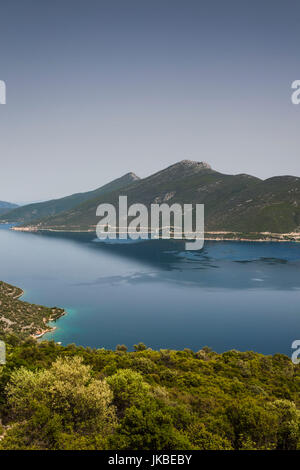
(25,202)
(98,89)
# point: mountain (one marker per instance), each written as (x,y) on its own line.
(178,171)
(31,212)
(83,216)
(239,203)
(6,206)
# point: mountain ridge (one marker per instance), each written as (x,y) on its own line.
(7,206)
(238,203)
(35,211)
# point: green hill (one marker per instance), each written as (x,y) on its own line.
(31,212)
(6,207)
(237,203)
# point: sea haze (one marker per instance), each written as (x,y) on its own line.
(230,295)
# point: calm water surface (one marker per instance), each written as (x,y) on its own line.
(230,295)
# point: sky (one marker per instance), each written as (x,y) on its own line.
(97,88)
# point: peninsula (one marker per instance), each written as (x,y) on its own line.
(24,319)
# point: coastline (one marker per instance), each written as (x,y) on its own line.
(20,294)
(209,235)
(40,314)
(49,329)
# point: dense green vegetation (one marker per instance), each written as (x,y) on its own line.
(233,203)
(54,397)
(22,318)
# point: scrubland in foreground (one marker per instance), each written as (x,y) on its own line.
(55,397)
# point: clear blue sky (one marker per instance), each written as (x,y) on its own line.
(99,88)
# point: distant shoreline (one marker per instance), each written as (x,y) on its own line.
(210,235)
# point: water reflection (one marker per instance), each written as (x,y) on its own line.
(228,295)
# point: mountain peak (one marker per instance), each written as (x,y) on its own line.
(131,176)
(179,170)
(193,164)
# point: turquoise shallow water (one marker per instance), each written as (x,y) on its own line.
(229,295)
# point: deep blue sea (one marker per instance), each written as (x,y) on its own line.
(230,295)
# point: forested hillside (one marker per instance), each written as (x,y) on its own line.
(233,203)
(35,211)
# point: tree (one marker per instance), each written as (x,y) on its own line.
(140,347)
(148,428)
(288,434)
(128,389)
(202,439)
(63,399)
